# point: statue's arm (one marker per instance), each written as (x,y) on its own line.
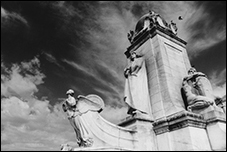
(64,106)
(127,72)
(137,65)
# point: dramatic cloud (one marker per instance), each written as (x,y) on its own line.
(207,27)
(21,80)
(28,123)
(5,16)
(26,127)
(52,59)
(107,80)
(218,81)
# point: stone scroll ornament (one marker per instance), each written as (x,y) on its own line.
(198,90)
(84,104)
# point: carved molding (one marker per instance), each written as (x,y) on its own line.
(178,121)
(130,120)
(215,116)
(146,34)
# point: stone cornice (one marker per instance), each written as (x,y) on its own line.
(178,121)
(215,116)
(130,120)
(145,35)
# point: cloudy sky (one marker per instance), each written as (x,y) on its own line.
(49,47)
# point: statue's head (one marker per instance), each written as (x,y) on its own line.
(70,92)
(191,71)
(133,55)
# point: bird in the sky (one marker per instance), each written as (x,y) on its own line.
(180,18)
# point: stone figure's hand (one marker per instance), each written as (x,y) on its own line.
(64,107)
(126,72)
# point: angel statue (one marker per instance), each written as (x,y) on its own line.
(76,109)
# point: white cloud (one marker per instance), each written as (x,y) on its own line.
(3,12)
(30,124)
(91,70)
(52,59)
(35,127)
(218,82)
(23,85)
(85,70)
(219,91)
(202,33)
(12,16)
(67,10)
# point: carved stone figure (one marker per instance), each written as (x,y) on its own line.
(198,90)
(75,108)
(173,27)
(147,23)
(131,36)
(153,16)
(136,86)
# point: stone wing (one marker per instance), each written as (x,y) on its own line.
(90,102)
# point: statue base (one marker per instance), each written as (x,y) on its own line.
(216,127)
(182,131)
(142,124)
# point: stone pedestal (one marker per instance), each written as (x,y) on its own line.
(182,131)
(145,134)
(216,127)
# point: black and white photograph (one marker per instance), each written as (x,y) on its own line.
(113,75)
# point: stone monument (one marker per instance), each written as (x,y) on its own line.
(178,110)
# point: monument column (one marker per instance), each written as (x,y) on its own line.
(166,62)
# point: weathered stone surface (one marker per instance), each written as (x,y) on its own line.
(217,135)
(181,131)
(145,133)
(216,127)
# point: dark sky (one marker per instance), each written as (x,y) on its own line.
(49,47)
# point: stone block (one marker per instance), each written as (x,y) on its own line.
(163,141)
(155,98)
(181,131)
(217,135)
(154,88)
(158,114)
(189,139)
(157,106)
(216,126)
(160,62)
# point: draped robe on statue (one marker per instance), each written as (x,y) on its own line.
(198,91)
(136,87)
(76,110)
(82,134)
(203,85)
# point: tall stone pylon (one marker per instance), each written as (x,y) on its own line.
(166,63)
